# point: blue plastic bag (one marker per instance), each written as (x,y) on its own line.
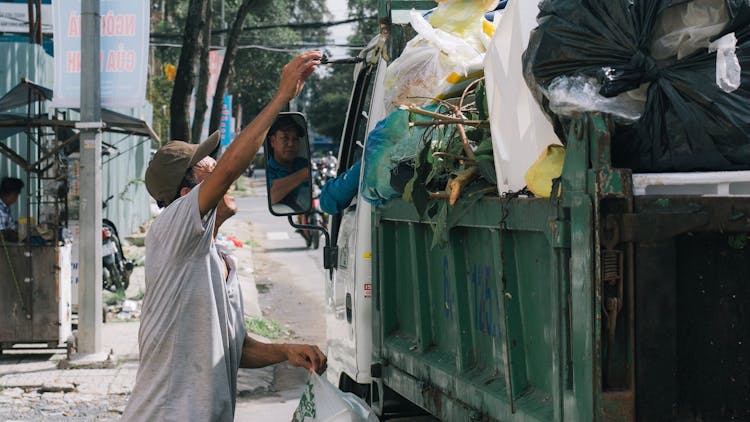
(391,142)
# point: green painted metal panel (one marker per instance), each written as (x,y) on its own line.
(473,323)
(507,322)
(504,322)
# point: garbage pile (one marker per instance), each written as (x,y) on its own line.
(435,144)
(673,75)
(125,309)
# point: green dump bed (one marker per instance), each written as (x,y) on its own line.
(592,306)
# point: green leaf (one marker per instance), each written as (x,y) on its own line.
(448,217)
(487,171)
(475,135)
(440,228)
(418,194)
(480,96)
(484,150)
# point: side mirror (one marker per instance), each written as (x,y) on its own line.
(288,176)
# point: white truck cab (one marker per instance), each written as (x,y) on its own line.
(348,286)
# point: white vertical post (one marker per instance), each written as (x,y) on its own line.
(90,252)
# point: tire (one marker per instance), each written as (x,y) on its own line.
(123,276)
(107,279)
(315,240)
(316,221)
(115,278)
(125,282)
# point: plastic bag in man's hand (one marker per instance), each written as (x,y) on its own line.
(322,402)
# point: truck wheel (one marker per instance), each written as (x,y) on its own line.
(362,391)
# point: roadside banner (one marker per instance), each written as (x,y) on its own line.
(225,125)
(123,57)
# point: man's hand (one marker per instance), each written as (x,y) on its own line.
(296,72)
(307,356)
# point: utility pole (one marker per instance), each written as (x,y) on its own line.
(90,252)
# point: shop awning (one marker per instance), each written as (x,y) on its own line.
(18,113)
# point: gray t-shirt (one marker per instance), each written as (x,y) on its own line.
(192,325)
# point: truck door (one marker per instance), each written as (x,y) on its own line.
(349,348)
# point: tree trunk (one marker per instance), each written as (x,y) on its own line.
(201,92)
(226,66)
(179,106)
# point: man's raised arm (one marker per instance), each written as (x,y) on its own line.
(243,149)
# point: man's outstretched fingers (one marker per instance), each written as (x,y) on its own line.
(296,72)
(307,356)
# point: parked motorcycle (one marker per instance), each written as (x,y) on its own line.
(320,172)
(116,269)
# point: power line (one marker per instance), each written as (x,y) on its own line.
(281,49)
(306,25)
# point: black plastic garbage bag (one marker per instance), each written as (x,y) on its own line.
(688,122)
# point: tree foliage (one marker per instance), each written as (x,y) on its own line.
(201,91)
(252,74)
(185,80)
(330,92)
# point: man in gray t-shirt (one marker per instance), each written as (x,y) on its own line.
(192,337)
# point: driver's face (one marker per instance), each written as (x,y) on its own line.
(285,145)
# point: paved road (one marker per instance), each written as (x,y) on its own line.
(290,281)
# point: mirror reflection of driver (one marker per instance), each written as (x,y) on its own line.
(287,173)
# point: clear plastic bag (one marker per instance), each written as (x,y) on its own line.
(684,29)
(434,65)
(728,70)
(323,402)
(569,96)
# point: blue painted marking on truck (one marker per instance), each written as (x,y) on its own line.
(448,296)
(485,298)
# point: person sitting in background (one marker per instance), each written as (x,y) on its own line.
(10,190)
(287,172)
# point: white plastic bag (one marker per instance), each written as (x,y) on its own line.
(728,70)
(322,402)
(520,130)
(434,65)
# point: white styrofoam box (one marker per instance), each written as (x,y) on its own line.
(716,183)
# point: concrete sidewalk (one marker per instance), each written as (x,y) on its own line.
(32,388)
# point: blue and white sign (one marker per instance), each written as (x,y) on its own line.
(123,57)
(225,125)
